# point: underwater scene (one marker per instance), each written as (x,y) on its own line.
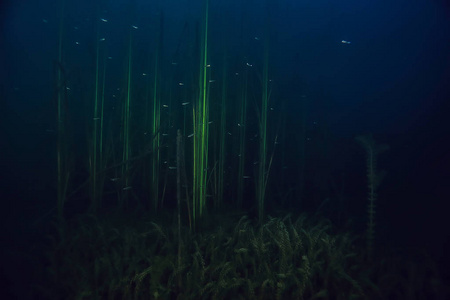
(225,149)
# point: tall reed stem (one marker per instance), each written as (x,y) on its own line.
(263,172)
(200,121)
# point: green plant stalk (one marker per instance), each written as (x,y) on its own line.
(156,137)
(95,119)
(242,132)
(126,122)
(262,172)
(222,134)
(200,124)
(156,120)
(102,114)
(374,178)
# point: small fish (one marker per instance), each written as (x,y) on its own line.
(249,65)
(346,42)
(229,133)
(180,83)
(77,43)
(246,177)
(208,66)
(165,105)
(172,168)
(212,80)
(95,119)
(102,40)
(114,179)
(191,135)
(237,74)
(256,38)
(135,27)
(165,134)
(174,63)
(210,122)
(185,103)
(109,57)
(104,20)
(127,188)
(144,74)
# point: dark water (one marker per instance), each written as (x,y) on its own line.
(336,70)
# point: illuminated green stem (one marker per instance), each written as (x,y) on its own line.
(200,121)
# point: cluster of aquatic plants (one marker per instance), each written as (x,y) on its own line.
(277,260)
(132,258)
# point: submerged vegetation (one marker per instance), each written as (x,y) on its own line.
(192,132)
(134,258)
